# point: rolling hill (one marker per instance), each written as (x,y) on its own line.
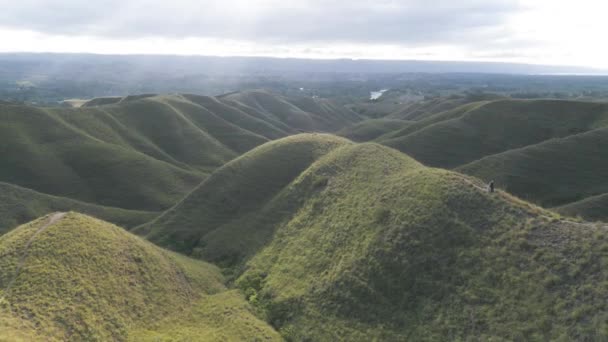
(418,110)
(371,129)
(144,153)
(593,208)
(23,205)
(360,242)
(552,173)
(239,199)
(462,137)
(546,151)
(300,113)
(67,276)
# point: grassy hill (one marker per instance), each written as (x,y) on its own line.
(43,152)
(21,205)
(552,173)
(362,242)
(420,109)
(371,129)
(239,199)
(144,152)
(593,208)
(301,114)
(72,277)
(495,127)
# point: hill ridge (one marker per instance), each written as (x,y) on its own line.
(85,279)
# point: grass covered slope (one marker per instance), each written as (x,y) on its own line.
(594,208)
(72,277)
(371,129)
(497,127)
(239,200)
(45,153)
(300,114)
(553,173)
(144,152)
(389,249)
(362,242)
(21,205)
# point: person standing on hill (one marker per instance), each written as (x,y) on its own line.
(491,186)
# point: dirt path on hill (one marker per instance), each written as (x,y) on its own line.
(52,219)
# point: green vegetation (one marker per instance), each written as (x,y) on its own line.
(144,152)
(318,237)
(73,277)
(47,153)
(497,127)
(231,214)
(552,173)
(546,151)
(391,250)
(20,205)
(361,242)
(371,129)
(591,208)
(421,109)
(301,114)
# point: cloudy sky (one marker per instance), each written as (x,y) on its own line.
(534,31)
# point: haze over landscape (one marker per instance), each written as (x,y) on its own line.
(539,32)
(303,170)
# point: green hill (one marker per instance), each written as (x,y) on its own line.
(553,173)
(430,120)
(43,152)
(362,242)
(143,152)
(20,205)
(100,101)
(419,110)
(371,129)
(497,127)
(301,114)
(72,277)
(593,208)
(239,200)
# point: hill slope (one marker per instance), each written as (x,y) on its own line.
(366,243)
(301,114)
(72,277)
(232,201)
(553,173)
(43,152)
(497,127)
(143,152)
(20,205)
(591,208)
(371,129)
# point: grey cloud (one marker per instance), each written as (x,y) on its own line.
(412,23)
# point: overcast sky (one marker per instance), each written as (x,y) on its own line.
(534,31)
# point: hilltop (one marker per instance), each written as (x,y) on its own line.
(361,242)
(72,277)
(144,152)
(546,151)
(239,199)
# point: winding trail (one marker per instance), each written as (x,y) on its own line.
(52,219)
